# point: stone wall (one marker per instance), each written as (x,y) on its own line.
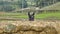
(27,27)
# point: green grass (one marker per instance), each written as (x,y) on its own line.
(48,15)
(13,15)
(37,16)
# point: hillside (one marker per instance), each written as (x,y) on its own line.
(55,6)
(11,5)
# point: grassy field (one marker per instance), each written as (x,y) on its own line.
(48,15)
(55,15)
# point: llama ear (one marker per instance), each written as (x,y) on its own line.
(28,13)
(33,13)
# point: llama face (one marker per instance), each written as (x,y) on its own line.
(30,13)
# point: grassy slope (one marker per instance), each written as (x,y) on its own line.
(55,6)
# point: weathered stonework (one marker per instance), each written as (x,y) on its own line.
(27,28)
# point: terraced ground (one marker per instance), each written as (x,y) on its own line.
(9,21)
(44,15)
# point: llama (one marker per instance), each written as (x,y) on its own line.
(31,16)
